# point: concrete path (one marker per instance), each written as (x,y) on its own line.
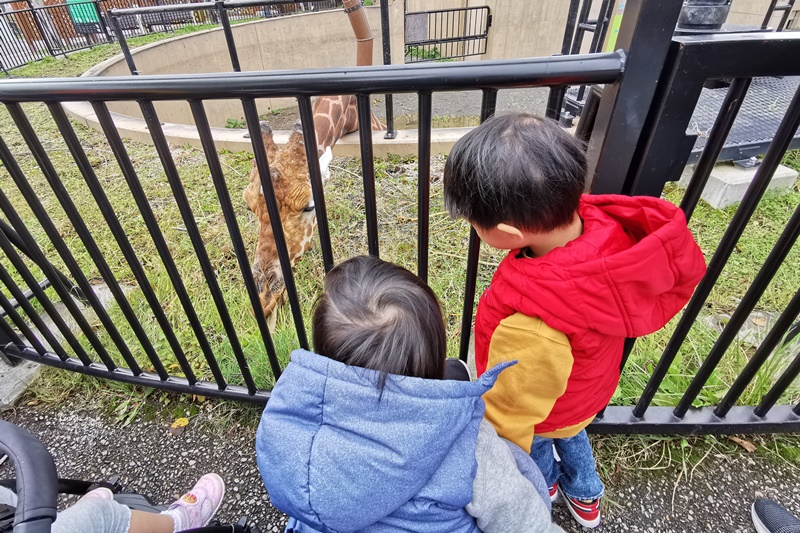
(453,105)
(714,496)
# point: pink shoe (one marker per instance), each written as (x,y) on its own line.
(198,506)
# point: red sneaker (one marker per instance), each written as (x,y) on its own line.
(553,492)
(585,512)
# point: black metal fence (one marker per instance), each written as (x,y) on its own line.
(637,144)
(28,33)
(31,32)
(446,34)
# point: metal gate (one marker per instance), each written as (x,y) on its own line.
(638,143)
(446,34)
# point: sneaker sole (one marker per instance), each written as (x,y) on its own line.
(585,523)
(759,525)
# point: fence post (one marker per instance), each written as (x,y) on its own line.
(386,35)
(226,27)
(40,28)
(645,36)
(102,19)
(123,43)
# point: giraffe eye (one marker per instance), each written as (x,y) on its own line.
(310,207)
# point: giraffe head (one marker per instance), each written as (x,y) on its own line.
(290,179)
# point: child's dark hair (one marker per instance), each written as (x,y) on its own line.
(516,169)
(380,316)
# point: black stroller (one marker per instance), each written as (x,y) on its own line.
(37,487)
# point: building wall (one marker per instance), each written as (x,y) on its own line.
(751,13)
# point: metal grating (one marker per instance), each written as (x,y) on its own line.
(761,113)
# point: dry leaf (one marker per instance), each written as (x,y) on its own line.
(746,444)
(178,426)
(759,321)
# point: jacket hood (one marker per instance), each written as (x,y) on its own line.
(339,454)
(629,273)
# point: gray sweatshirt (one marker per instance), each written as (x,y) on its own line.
(503,500)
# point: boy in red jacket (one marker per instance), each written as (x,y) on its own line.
(583,273)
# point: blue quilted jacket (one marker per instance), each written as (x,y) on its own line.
(338,455)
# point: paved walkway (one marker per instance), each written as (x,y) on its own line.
(715,496)
(444,104)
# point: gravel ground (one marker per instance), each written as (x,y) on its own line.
(714,496)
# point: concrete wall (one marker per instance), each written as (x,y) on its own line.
(520,28)
(309,40)
(752,12)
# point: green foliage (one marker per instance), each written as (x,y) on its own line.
(422,53)
(235,123)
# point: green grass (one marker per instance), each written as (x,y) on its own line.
(396,191)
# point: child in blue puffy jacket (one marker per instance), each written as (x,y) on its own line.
(372,437)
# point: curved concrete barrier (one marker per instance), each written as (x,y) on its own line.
(206,51)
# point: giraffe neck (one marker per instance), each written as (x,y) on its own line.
(334,116)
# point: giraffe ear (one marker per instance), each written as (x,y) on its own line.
(324,164)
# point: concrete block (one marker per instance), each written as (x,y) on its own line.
(727,183)
(14,380)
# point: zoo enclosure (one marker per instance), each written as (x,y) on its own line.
(30,32)
(637,144)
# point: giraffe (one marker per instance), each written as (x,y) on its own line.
(334,116)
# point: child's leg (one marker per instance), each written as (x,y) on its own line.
(579,477)
(142,522)
(542,454)
(98,515)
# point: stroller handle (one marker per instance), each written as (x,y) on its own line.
(37,482)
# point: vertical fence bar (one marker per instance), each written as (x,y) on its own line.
(34,317)
(577,40)
(122,240)
(50,173)
(229,40)
(770,342)
(101,19)
(123,43)
(556,95)
(143,204)
(773,262)
(44,301)
(783,382)
(314,174)
(601,26)
(716,140)
(21,325)
(9,335)
(386,38)
(40,28)
(82,162)
(645,35)
(368,169)
(488,105)
(165,155)
(204,129)
(41,214)
(36,289)
(779,145)
(21,245)
(262,163)
(424,182)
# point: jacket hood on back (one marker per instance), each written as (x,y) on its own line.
(630,272)
(340,455)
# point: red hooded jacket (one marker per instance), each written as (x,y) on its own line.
(633,268)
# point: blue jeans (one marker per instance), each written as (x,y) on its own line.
(575,473)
